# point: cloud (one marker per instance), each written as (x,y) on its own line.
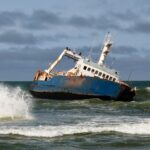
(138,66)
(128,15)
(124,50)
(39,19)
(140,27)
(43,20)
(46,17)
(127,21)
(80,21)
(137,23)
(99,23)
(27,53)
(10,18)
(15,37)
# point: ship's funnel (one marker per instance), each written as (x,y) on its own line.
(106,48)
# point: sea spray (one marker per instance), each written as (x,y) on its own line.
(14,103)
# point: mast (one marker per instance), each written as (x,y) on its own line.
(106,49)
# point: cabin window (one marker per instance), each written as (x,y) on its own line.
(92,70)
(89,69)
(114,79)
(96,72)
(107,76)
(100,74)
(85,67)
(103,76)
(110,78)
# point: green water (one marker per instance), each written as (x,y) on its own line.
(27,123)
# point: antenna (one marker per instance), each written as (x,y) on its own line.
(91,49)
(113,60)
(90,53)
(129,77)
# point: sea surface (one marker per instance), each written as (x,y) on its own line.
(28,123)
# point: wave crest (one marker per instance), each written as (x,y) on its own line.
(56,131)
(14,103)
(148,89)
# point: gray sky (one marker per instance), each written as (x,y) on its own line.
(34,32)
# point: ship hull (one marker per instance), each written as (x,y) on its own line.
(70,88)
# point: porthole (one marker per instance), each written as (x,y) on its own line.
(89,69)
(114,79)
(92,70)
(107,76)
(110,78)
(96,72)
(85,67)
(100,74)
(103,76)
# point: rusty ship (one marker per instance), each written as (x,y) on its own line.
(87,79)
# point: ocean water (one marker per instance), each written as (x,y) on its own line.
(28,123)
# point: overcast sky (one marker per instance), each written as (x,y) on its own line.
(34,32)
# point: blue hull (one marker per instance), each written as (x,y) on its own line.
(63,87)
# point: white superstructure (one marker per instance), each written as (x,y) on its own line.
(88,68)
(85,67)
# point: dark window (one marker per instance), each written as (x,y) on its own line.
(85,67)
(114,79)
(103,75)
(92,70)
(107,76)
(110,78)
(89,69)
(100,74)
(96,72)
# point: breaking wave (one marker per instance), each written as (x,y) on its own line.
(56,131)
(148,89)
(14,103)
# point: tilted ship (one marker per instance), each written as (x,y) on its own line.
(86,79)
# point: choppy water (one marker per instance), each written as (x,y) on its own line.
(29,123)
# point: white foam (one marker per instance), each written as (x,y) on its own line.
(14,103)
(148,89)
(55,131)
